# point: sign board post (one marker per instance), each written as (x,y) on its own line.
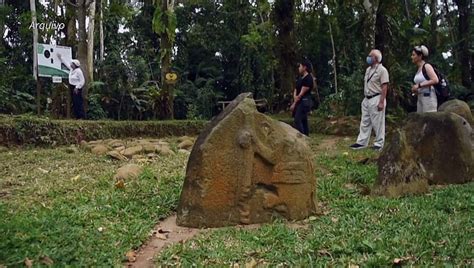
(57,79)
(49,65)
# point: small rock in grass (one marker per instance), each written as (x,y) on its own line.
(120,149)
(131,151)
(143,142)
(164,150)
(183,138)
(186,144)
(128,171)
(116,155)
(116,143)
(100,149)
(95,142)
(149,148)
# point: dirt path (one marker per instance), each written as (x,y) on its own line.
(329,143)
(167,233)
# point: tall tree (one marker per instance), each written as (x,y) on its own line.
(101,31)
(464,35)
(164,24)
(434,26)
(371,8)
(82,7)
(283,18)
(333,61)
(90,41)
(35,55)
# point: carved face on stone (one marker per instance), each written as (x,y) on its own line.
(245,139)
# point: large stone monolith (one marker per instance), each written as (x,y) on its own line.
(430,148)
(247,168)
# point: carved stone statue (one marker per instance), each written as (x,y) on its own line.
(247,168)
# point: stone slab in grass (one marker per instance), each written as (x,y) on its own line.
(430,148)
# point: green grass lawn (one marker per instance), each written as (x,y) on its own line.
(46,210)
(354,228)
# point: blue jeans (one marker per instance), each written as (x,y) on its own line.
(301,115)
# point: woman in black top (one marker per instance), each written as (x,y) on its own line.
(302,97)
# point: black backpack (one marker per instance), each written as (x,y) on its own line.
(442,90)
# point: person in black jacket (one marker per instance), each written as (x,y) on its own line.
(302,101)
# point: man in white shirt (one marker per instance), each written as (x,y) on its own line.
(76,84)
(373,106)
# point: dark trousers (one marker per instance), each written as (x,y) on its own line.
(77,103)
(301,115)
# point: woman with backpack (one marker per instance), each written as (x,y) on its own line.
(425,79)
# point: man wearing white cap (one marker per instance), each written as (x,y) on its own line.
(76,84)
(373,106)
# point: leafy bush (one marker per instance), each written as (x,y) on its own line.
(95,110)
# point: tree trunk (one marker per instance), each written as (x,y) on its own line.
(464,38)
(407,9)
(2,22)
(71,41)
(334,67)
(101,31)
(35,56)
(283,18)
(382,33)
(81,12)
(434,26)
(90,41)
(167,45)
(371,7)
(421,8)
(472,67)
(450,26)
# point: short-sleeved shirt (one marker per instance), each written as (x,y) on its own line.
(375,77)
(306,81)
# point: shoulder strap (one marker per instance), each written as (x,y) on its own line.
(368,80)
(425,73)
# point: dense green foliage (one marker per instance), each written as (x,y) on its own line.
(223,48)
